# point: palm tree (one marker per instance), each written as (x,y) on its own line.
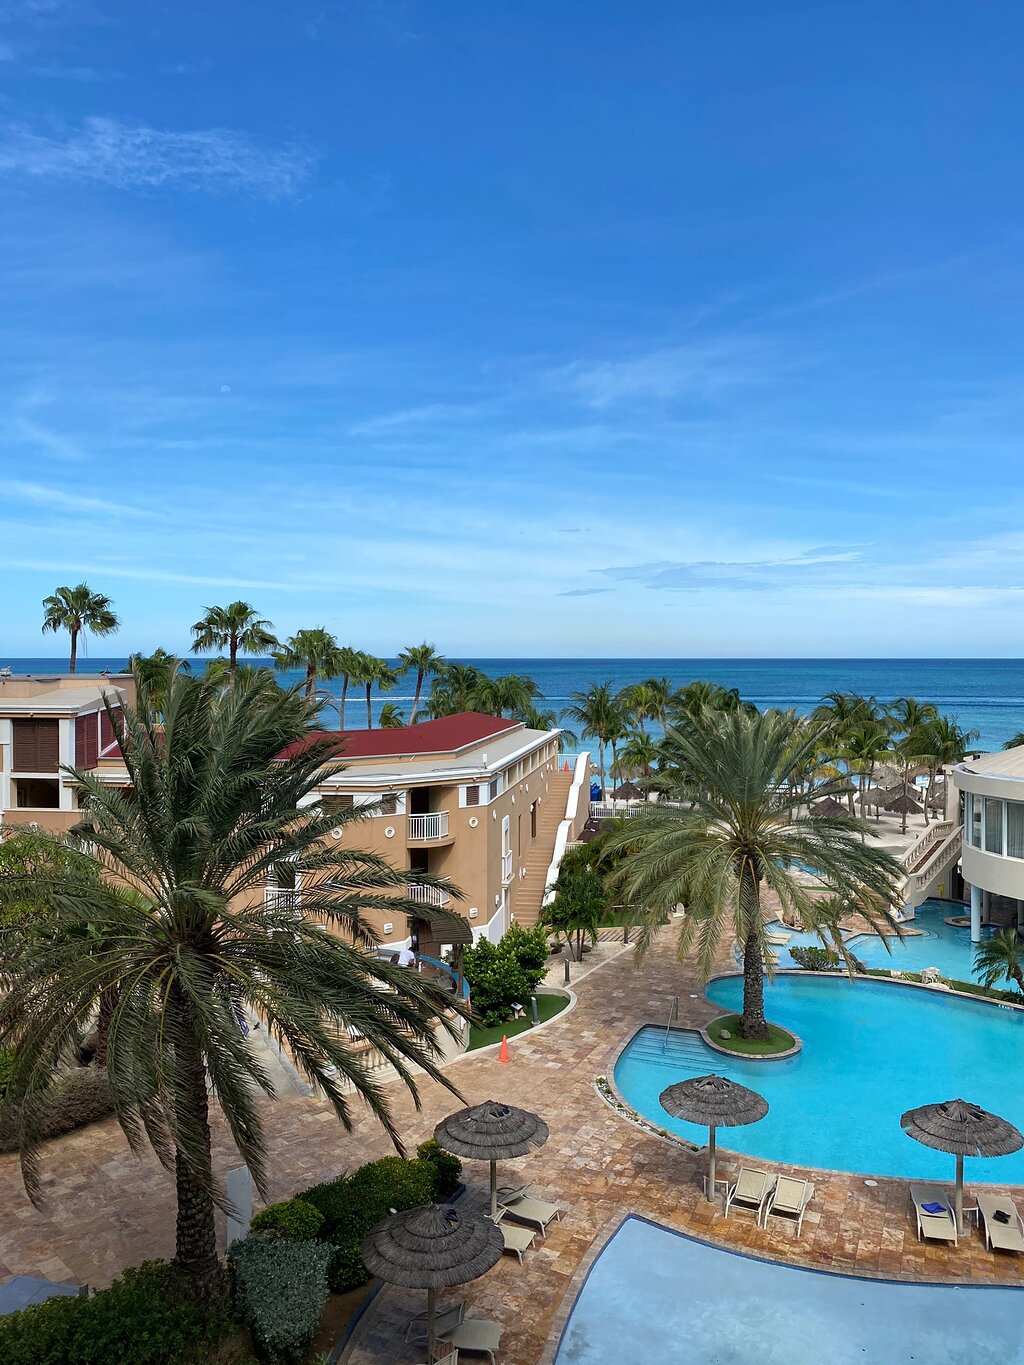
(233,627)
(598,714)
(639,755)
(316,651)
(942,742)
(511,692)
(864,743)
(1015,741)
(151,672)
(1001,958)
(78,610)
(214,812)
(372,672)
(639,702)
(547,720)
(348,666)
(454,689)
(390,717)
(743,830)
(426,661)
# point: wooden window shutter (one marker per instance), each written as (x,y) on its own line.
(36,746)
(472,796)
(86,741)
(109,746)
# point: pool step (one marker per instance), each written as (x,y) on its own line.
(683,1050)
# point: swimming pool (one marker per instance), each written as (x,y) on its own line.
(871,1050)
(655,1295)
(936,944)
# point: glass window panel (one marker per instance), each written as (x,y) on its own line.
(975,821)
(993,825)
(1015,829)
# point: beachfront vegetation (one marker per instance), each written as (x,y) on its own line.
(234,627)
(79,611)
(580,902)
(316,652)
(213,812)
(739,826)
(424,661)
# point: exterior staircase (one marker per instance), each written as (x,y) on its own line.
(932,857)
(529,889)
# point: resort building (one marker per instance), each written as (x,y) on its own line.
(993,832)
(483,802)
(48,724)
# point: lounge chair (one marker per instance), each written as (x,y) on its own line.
(789,1199)
(449,1317)
(1001,1235)
(935,1227)
(476,1335)
(750,1190)
(526,1210)
(517,1240)
(776,939)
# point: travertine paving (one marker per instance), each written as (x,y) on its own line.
(107,1208)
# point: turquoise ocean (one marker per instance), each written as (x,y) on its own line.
(986,695)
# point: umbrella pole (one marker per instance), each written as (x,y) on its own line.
(494,1189)
(711,1165)
(959,1195)
(431,1326)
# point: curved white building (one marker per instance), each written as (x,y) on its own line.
(993,831)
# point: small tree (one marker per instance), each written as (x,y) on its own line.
(504,974)
(581,899)
(1001,958)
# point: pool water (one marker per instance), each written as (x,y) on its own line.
(871,1050)
(936,944)
(655,1295)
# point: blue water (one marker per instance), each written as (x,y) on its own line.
(871,1050)
(935,944)
(985,694)
(655,1295)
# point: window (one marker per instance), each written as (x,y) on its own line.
(1015,829)
(975,819)
(472,796)
(492,791)
(36,746)
(87,746)
(330,804)
(389,803)
(993,825)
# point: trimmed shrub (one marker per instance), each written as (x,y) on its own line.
(447,1168)
(507,973)
(81,1096)
(352,1206)
(815,959)
(293,1220)
(280,1290)
(147,1317)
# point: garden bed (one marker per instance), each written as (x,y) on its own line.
(778,1042)
(548,1005)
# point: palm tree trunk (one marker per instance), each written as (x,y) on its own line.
(74,650)
(108,1000)
(600,740)
(344,695)
(310,681)
(232,660)
(416,698)
(752,1022)
(369,713)
(195,1231)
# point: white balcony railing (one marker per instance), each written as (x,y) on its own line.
(506,867)
(431,826)
(428,895)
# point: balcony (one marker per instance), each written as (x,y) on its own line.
(430,828)
(428,895)
(506,867)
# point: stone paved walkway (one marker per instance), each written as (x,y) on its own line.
(107,1209)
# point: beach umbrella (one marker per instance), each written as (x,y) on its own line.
(627,791)
(491,1132)
(828,806)
(904,805)
(713,1102)
(432,1248)
(962,1129)
(880,796)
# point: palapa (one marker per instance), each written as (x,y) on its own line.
(962,1129)
(714,1102)
(904,804)
(432,1248)
(492,1132)
(828,805)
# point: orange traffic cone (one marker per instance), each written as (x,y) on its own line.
(503,1053)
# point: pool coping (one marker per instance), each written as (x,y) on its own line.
(798,1043)
(575,1287)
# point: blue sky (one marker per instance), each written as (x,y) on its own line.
(544,328)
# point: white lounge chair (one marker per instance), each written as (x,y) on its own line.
(776,939)
(517,1240)
(448,1317)
(520,1206)
(750,1190)
(476,1335)
(789,1199)
(1001,1234)
(932,1225)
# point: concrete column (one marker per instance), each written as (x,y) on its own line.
(975,914)
(986,907)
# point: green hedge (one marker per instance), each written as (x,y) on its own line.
(145,1318)
(447,1168)
(293,1220)
(505,973)
(80,1097)
(354,1204)
(280,1291)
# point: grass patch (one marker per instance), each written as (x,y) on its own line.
(778,1039)
(547,1007)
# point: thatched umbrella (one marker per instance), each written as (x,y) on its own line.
(904,804)
(879,796)
(714,1102)
(628,791)
(828,806)
(491,1132)
(432,1248)
(964,1130)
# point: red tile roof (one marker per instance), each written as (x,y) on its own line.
(446,735)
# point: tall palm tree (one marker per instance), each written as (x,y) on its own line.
(454,689)
(1001,958)
(314,650)
(425,661)
(390,717)
(152,671)
(372,672)
(943,741)
(743,832)
(234,627)
(78,610)
(598,714)
(511,692)
(214,812)
(638,756)
(1015,741)
(864,742)
(349,662)
(639,702)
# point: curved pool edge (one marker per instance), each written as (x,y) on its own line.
(940,991)
(708,1041)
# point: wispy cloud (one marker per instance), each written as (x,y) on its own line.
(702,370)
(127,156)
(86,75)
(583,592)
(40,495)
